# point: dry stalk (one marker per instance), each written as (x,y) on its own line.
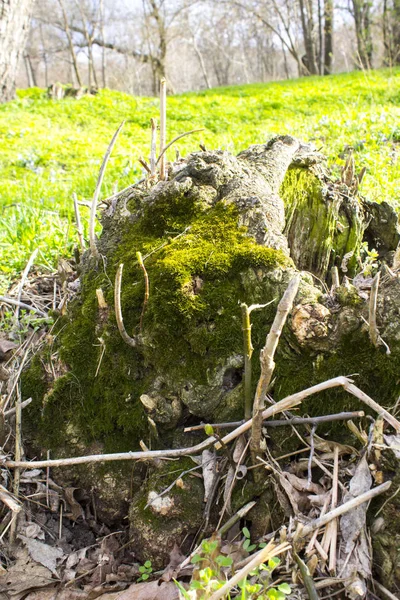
(163,125)
(314,536)
(268,364)
(18,456)
(92,222)
(307,579)
(8,500)
(153,147)
(373,328)
(118,310)
(12,411)
(333,525)
(146,287)
(335,278)
(78,222)
(144,164)
(23,279)
(260,557)
(178,137)
(343,508)
(387,593)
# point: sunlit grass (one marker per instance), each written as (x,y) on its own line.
(51,149)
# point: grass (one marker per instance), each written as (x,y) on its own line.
(51,149)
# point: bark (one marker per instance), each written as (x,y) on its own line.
(361,11)
(307,22)
(14,27)
(328,37)
(67,31)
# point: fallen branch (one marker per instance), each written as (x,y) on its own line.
(118,310)
(8,500)
(12,411)
(344,416)
(343,508)
(280,406)
(334,524)
(13,302)
(267,362)
(92,222)
(384,591)
(260,557)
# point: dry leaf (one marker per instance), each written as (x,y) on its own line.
(5,347)
(42,553)
(76,508)
(209,464)
(175,559)
(148,591)
(25,574)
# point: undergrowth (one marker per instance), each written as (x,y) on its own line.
(53,148)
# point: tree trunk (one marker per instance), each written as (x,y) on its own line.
(396,32)
(70,43)
(307,22)
(328,36)
(362,21)
(14,27)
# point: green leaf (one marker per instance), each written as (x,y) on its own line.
(274,562)
(196,558)
(145,576)
(224,561)
(251,548)
(246,544)
(246,532)
(213,546)
(284,588)
(147,564)
(209,429)
(142,569)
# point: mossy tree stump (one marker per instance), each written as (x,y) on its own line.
(221,230)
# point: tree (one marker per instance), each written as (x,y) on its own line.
(391,31)
(14,28)
(328,36)
(361,12)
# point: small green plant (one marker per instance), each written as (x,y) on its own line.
(145,570)
(369,262)
(213,569)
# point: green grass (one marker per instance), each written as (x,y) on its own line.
(51,149)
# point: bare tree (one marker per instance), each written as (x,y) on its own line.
(391,32)
(361,12)
(14,28)
(328,36)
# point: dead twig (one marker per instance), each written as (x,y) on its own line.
(92,222)
(118,310)
(18,456)
(163,125)
(373,328)
(352,389)
(23,279)
(153,147)
(333,525)
(178,137)
(8,500)
(343,508)
(146,287)
(78,222)
(344,416)
(19,304)
(384,591)
(12,411)
(268,364)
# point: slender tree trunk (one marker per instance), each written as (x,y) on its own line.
(307,23)
(320,40)
(70,43)
(45,58)
(328,36)
(396,32)
(14,27)
(103,50)
(30,71)
(362,21)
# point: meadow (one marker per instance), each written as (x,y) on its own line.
(50,149)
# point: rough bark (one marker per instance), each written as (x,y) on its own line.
(14,27)
(328,36)
(220,230)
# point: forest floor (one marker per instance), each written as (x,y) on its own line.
(54,148)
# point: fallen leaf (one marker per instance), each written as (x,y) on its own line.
(175,559)
(25,574)
(5,347)
(147,591)
(209,462)
(43,553)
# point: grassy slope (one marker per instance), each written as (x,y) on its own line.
(50,148)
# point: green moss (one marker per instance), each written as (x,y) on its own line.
(319,232)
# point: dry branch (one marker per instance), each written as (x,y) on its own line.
(153,147)
(118,310)
(92,223)
(13,302)
(353,389)
(178,137)
(267,361)
(344,508)
(23,279)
